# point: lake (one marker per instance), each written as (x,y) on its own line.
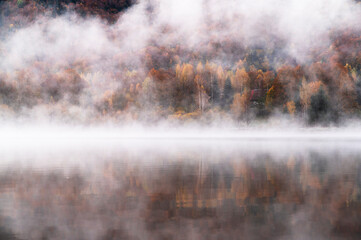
(181,189)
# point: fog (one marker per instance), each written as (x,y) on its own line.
(65,67)
(193,119)
(302,25)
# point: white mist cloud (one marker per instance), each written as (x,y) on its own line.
(61,39)
(302,24)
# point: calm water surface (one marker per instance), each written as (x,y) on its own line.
(182,189)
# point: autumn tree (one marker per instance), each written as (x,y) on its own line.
(347,90)
(259,79)
(178,71)
(291,108)
(240,104)
(290,78)
(164,86)
(253,73)
(275,95)
(241,80)
(201,96)
(221,76)
(199,68)
(187,74)
(237,105)
(267,79)
(270,96)
(112,101)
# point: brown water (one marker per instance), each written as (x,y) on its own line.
(182,190)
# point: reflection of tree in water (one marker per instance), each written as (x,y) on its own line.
(255,198)
(318,165)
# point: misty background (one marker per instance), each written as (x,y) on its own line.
(203,61)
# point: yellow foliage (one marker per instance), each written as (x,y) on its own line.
(187,74)
(269,97)
(146,84)
(220,73)
(210,67)
(260,78)
(307,90)
(181,115)
(240,103)
(236,105)
(131,74)
(291,107)
(200,68)
(221,76)
(241,79)
(178,71)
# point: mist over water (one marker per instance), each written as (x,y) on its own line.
(193,119)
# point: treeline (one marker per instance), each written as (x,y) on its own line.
(319,92)
(223,79)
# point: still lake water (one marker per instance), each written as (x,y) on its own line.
(182,189)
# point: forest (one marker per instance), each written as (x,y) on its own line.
(222,78)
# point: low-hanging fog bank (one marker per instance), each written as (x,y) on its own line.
(190,61)
(68,138)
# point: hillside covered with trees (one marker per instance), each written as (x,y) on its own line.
(220,78)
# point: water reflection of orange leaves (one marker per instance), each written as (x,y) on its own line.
(307,179)
(242,192)
(184,198)
(211,203)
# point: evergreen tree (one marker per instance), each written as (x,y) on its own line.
(215,93)
(319,107)
(358,91)
(227,97)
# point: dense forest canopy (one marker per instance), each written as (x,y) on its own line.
(200,61)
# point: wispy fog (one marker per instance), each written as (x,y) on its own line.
(74,68)
(192,119)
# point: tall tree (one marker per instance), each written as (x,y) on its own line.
(241,79)
(215,95)
(227,97)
